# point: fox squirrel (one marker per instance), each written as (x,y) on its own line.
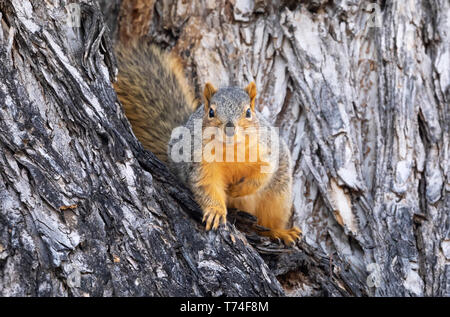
(157,98)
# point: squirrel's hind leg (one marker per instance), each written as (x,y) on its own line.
(273,211)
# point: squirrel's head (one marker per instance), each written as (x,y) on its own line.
(229,108)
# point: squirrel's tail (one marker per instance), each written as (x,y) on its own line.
(154,93)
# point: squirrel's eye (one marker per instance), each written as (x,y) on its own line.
(248,114)
(211,113)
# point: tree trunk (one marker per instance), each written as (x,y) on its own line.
(85,210)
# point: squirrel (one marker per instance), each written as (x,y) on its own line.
(157,99)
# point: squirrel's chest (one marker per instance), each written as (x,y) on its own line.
(233,173)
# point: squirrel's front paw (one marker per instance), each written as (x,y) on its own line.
(213,216)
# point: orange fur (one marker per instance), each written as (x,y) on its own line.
(241,185)
(212,197)
(251,90)
(272,210)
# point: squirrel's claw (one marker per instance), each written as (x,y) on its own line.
(214,217)
(292,235)
(288,236)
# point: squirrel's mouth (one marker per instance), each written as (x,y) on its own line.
(229,141)
(239,137)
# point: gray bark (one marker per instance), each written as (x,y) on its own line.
(361,92)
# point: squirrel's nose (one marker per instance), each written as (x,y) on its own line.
(229,128)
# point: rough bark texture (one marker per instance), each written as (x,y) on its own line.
(361,91)
(84,210)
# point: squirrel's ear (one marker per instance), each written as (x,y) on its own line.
(251,90)
(208,92)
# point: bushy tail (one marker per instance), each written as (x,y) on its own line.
(154,93)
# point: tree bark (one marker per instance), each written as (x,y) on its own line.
(86,211)
(361,92)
